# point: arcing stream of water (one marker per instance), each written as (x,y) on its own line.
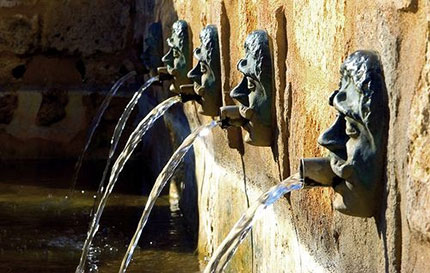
(119,128)
(162,179)
(228,247)
(95,123)
(131,144)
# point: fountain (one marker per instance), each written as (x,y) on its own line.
(253,93)
(161,181)
(366,210)
(254,114)
(229,245)
(95,123)
(206,75)
(177,61)
(356,140)
(119,128)
(131,144)
(353,134)
(153,51)
(151,58)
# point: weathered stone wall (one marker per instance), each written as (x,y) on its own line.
(57,53)
(57,59)
(310,39)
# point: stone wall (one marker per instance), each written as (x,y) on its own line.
(57,53)
(58,59)
(310,39)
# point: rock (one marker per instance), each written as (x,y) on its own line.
(87,27)
(14,3)
(406,5)
(10,64)
(52,70)
(8,104)
(418,184)
(19,33)
(52,108)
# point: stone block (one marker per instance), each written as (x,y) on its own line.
(87,27)
(53,107)
(8,104)
(19,33)
(418,183)
(10,63)
(15,3)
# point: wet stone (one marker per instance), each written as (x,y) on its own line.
(52,108)
(8,104)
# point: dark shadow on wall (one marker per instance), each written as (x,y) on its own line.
(93,64)
(176,124)
(234,134)
(281,106)
(388,218)
(156,147)
(184,179)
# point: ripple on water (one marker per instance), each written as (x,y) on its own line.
(42,231)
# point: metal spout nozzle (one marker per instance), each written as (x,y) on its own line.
(317,172)
(189,97)
(187,89)
(163,74)
(230,116)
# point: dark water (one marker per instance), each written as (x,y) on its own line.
(42,230)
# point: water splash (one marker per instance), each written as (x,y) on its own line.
(131,144)
(162,179)
(96,121)
(228,247)
(119,128)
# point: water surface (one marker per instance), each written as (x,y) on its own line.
(43,231)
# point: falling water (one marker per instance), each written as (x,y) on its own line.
(161,181)
(95,122)
(119,128)
(131,144)
(228,247)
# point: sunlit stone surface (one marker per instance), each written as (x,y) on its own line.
(309,40)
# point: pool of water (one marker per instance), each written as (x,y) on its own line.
(42,229)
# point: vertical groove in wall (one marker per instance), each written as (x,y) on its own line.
(234,134)
(280,56)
